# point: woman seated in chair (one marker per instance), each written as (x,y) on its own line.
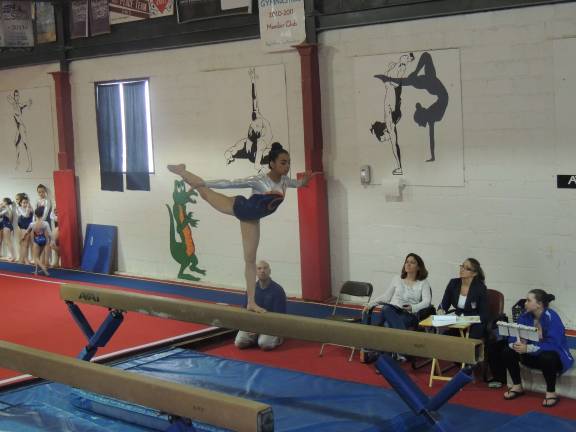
(408,294)
(550,354)
(467,295)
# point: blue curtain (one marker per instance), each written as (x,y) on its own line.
(109,137)
(137,176)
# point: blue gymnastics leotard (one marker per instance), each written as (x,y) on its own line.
(46,207)
(39,233)
(6,218)
(25,216)
(266,196)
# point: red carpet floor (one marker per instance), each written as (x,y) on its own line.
(303,356)
(33,315)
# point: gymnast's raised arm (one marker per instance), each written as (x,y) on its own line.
(242,183)
(302,182)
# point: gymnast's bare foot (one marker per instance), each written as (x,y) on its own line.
(255,308)
(177,169)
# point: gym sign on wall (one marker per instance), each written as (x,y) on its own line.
(566,181)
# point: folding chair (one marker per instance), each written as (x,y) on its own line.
(354,289)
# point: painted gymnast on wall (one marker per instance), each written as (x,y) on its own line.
(392,110)
(256,144)
(268,191)
(20,135)
(425,116)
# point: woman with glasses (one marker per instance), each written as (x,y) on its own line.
(467,295)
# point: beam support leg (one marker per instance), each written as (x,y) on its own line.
(99,338)
(420,404)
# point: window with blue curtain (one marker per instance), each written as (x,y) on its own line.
(124,135)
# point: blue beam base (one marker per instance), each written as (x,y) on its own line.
(80,319)
(99,338)
(181,425)
(420,404)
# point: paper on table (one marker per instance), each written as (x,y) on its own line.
(446,320)
(443,320)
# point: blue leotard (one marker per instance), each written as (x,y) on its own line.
(6,218)
(39,233)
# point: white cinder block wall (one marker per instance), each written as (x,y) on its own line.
(180,135)
(509,214)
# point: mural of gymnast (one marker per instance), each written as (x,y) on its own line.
(256,144)
(392,110)
(428,81)
(20,135)
(268,192)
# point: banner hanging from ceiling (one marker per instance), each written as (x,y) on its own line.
(16,29)
(282,24)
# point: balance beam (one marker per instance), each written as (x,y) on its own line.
(201,405)
(426,345)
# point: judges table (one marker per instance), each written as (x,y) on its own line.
(436,370)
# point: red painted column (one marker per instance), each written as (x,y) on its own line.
(313,200)
(65,186)
(63,95)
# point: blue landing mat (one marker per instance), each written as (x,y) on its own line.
(537,422)
(301,402)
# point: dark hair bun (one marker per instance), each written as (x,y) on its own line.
(550,298)
(275,150)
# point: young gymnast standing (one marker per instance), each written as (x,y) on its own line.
(55,243)
(268,191)
(6,226)
(40,230)
(25,214)
(45,205)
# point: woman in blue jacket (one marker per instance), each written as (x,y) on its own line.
(550,354)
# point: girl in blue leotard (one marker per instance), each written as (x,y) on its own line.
(25,216)
(41,234)
(6,226)
(268,191)
(45,204)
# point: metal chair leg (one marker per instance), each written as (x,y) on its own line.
(321,350)
(351,354)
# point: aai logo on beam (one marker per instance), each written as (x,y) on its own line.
(566,181)
(89,297)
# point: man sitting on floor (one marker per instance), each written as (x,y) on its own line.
(270,296)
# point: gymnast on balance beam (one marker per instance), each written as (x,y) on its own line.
(268,191)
